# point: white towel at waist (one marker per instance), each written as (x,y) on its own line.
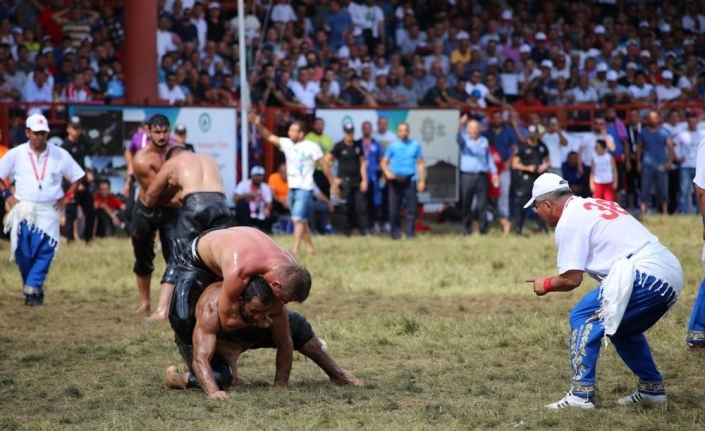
(40,217)
(654,260)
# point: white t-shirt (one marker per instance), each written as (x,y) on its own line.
(664,94)
(699,179)
(173,95)
(38,179)
(283,13)
(603,168)
(306,95)
(385,138)
(482,88)
(587,146)
(686,146)
(259,202)
(300,162)
(639,93)
(553,143)
(593,234)
(510,83)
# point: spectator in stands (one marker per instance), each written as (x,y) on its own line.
(14,76)
(613,92)
(405,90)
(38,89)
(169,91)
(77,90)
(110,211)
(641,91)
(8,93)
(253,201)
(76,22)
(666,92)
(354,95)
(573,173)
(438,95)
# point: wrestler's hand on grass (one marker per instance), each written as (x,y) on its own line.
(220,395)
(538,285)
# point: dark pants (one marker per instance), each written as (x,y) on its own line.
(243,217)
(318,216)
(474,186)
(85,200)
(354,208)
(673,188)
(104,224)
(402,193)
(525,183)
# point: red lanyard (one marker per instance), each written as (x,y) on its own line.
(44,168)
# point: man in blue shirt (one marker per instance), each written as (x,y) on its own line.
(505,141)
(338,22)
(373,153)
(403,166)
(654,156)
(475,163)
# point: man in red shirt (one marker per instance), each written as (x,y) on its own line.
(109,210)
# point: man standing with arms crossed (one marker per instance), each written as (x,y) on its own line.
(302,156)
(197,179)
(403,167)
(33,221)
(640,280)
(147,221)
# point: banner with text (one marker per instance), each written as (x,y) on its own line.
(433,128)
(110,128)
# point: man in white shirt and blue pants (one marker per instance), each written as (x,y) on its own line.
(34,220)
(640,280)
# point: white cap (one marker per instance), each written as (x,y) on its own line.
(213,5)
(645,53)
(644,24)
(524,49)
(257,170)
(37,123)
(632,65)
(540,36)
(507,15)
(493,61)
(599,29)
(547,63)
(602,67)
(667,74)
(546,183)
(612,75)
(665,28)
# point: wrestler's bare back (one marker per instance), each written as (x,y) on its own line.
(236,255)
(194,173)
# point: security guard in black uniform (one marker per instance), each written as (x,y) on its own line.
(530,160)
(77,144)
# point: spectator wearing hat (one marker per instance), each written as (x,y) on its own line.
(253,201)
(600,79)
(540,52)
(629,77)
(77,144)
(180,137)
(613,91)
(666,91)
(352,179)
(530,160)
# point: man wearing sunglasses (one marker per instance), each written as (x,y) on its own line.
(640,280)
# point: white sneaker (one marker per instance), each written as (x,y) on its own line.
(571,400)
(640,397)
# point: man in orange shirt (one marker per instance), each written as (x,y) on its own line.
(280,189)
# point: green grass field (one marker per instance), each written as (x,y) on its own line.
(442,330)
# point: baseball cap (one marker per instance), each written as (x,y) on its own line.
(75,121)
(524,49)
(533,130)
(476,94)
(492,61)
(612,75)
(257,170)
(348,127)
(602,67)
(546,183)
(632,65)
(599,29)
(547,63)
(667,74)
(214,5)
(180,129)
(671,54)
(507,15)
(37,123)
(645,53)
(540,36)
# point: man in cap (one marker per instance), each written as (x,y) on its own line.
(530,160)
(640,280)
(253,201)
(180,137)
(197,180)
(37,203)
(666,91)
(352,179)
(613,90)
(77,144)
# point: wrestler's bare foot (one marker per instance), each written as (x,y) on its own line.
(174,379)
(157,316)
(347,378)
(143,308)
(241,381)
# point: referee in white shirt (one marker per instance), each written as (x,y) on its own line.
(37,170)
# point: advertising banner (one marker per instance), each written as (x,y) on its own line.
(434,128)
(110,128)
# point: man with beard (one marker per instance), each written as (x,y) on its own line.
(147,221)
(220,339)
(197,179)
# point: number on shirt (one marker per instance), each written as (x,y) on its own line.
(610,210)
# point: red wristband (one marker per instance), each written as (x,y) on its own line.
(547,284)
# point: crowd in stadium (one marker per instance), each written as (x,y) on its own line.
(316,54)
